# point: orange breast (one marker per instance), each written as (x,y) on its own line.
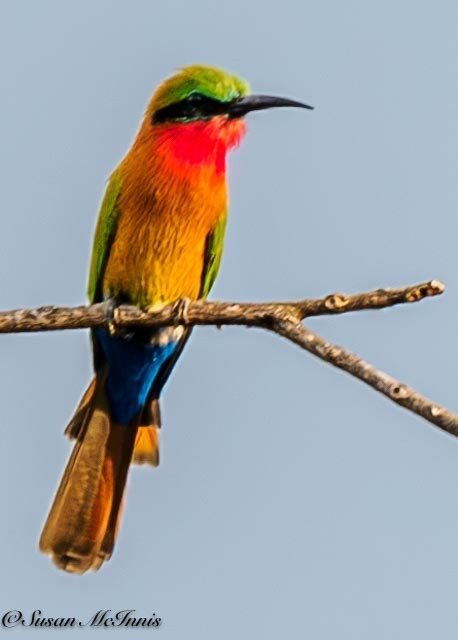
(158,251)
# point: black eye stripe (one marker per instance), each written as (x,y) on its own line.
(195,107)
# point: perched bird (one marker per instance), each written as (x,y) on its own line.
(158,239)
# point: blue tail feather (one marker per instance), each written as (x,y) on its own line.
(132,369)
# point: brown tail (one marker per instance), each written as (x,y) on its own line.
(146,448)
(81,527)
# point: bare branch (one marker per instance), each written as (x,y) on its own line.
(396,391)
(379,299)
(204,312)
(283,318)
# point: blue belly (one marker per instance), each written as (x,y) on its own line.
(132,369)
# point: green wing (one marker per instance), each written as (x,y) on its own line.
(212,258)
(104,234)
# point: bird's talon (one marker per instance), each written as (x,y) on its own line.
(110,311)
(180,311)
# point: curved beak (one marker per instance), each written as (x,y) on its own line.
(241,106)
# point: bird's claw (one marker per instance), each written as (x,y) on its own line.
(180,311)
(110,309)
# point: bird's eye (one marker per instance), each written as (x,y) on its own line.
(195,98)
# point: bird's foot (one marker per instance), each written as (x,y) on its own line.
(180,311)
(110,311)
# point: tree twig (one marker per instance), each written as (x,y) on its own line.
(283,318)
(396,391)
(204,312)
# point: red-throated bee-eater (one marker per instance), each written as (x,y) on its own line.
(159,238)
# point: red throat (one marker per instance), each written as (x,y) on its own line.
(201,143)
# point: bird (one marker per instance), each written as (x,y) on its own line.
(158,240)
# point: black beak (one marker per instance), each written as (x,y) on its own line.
(241,106)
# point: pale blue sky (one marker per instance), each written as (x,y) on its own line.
(291,500)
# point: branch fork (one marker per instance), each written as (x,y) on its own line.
(282,318)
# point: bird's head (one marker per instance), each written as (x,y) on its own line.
(200,112)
